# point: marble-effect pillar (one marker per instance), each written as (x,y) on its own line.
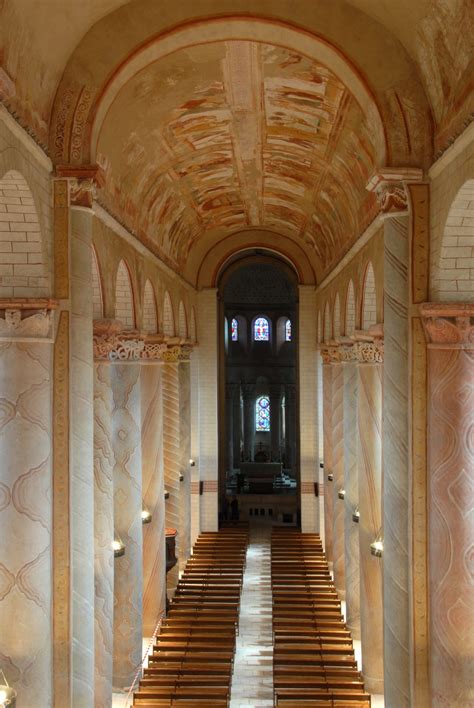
(154,545)
(351,500)
(171,456)
(25,520)
(450,333)
(184,455)
(327,435)
(128,585)
(103,536)
(338,479)
(370,507)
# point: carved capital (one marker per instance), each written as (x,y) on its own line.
(84,180)
(370,352)
(112,343)
(26,319)
(389,187)
(330,353)
(347,353)
(448,325)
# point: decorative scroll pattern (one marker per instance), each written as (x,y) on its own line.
(61,238)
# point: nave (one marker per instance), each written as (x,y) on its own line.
(255,622)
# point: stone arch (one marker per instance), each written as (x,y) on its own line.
(350,319)
(97,293)
(168,317)
(124,303)
(150,317)
(337,316)
(23,270)
(454,279)
(369,298)
(182,321)
(192,326)
(327,323)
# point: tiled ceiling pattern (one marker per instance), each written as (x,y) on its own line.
(227,136)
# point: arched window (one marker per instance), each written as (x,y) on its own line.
(262,414)
(261,330)
(234,330)
(288,331)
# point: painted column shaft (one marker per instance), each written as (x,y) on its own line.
(229,422)
(370,506)
(154,544)
(184,371)
(351,500)
(327,434)
(25,520)
(104,535)
(338,481)
(128,583)
(171,456)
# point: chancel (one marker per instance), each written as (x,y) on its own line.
(236,353)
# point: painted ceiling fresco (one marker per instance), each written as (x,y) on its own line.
(234,135)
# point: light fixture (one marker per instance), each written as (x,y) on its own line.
(376,548)
(118,548)
(330,476)
(167,494)
(7,695)
(192,463)
(146,516)
(321,464)
(356,515)
(341,493)
(181,477)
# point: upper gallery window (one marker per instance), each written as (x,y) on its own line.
(234,330)
(262,414)
(288,331)
(261,330)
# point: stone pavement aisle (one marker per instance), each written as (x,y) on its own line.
(252,681)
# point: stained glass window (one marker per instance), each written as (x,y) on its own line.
(288,331)
(261,330)
(235,330)
(262,414)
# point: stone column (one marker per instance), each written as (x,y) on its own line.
(248,393)
(195,432)
(370,357)
(338,475)
(229,425)
(405,262)
(237,432)
(290,427)
(171,456)
(26,505)
(351,499)
(450,333)
(128,584)
(154,546)
(275,422)
(328,469)
(184,469)
(104,462)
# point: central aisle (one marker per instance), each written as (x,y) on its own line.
(252,682)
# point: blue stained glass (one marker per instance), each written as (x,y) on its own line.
(234,330)
(262,414)
(288,331)
(261,330)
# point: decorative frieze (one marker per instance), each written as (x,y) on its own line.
(449,325)
(112,343)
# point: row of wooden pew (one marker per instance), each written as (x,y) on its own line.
(313,661)
(192,661)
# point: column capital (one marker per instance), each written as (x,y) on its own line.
(25,319)
(275,391)
(388,184)
(329,353)
(369,345)
(290,391)
(84,180)
(248,391)
(113,343)
(448,325)
(230,389)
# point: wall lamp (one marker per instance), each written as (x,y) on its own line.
(356,515)
(146,516)
(330,476)
(192,463)
(167,494)
(7,695)
(118,548)
(376,548)
(341,493)
(181,477)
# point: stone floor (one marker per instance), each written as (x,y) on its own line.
(252,682)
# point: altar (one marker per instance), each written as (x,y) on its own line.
(260,475)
